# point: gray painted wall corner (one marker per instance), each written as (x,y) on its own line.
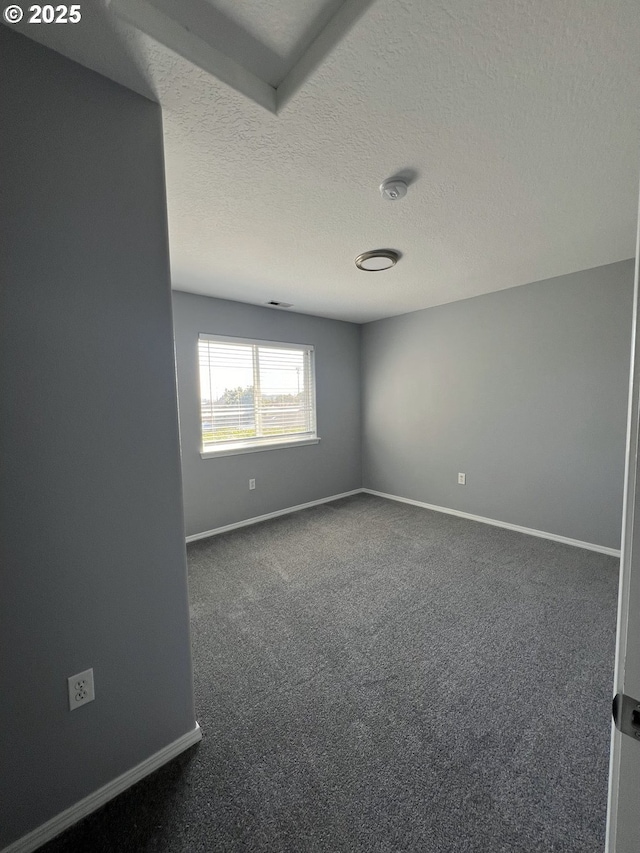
(524,390)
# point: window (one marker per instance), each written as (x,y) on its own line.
(255,395)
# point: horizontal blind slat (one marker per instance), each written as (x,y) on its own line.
(232,411)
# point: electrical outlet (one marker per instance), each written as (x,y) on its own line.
(252,484)
(462,479)
(81,689)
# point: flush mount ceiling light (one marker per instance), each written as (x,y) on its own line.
(377,259)
(393,189)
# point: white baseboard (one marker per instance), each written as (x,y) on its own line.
(542,534)
(94,801)
(554,537)
(236,524)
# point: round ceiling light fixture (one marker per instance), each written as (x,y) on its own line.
(377,259)
(393,189)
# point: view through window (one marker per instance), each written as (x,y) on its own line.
(255,393)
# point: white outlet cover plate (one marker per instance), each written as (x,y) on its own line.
(81,689)
(462,479)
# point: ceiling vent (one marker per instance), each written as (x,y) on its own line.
(275,304)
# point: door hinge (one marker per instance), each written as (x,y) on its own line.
(626,715)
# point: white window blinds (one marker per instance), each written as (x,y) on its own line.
(254,392)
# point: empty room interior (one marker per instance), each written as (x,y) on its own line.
(318,332)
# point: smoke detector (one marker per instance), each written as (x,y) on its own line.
(393,189)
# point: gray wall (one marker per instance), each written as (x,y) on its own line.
(92,556)
(216,491)
(524,390)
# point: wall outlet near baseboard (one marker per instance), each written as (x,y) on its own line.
(252,484)
(81,689)
(462,479)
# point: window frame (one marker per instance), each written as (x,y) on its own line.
(253,445)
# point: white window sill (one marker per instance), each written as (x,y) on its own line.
(253,447)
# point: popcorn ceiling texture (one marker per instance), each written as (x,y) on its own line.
(518,119)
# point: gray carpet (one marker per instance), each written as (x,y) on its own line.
(372,676)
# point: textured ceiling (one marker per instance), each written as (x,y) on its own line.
(516,121)
(266,36)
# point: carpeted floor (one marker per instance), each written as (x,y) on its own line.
(372,676)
